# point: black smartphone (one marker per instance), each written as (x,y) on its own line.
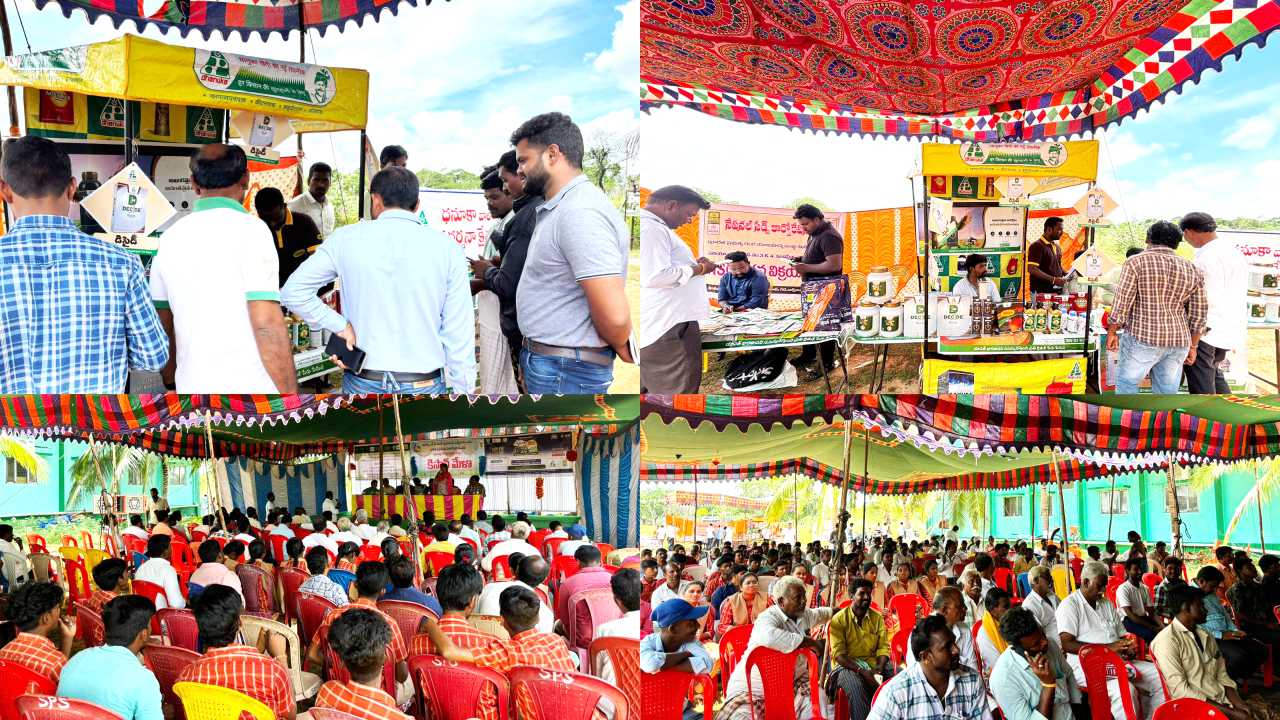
(353,359)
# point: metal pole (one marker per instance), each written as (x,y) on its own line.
(795,508)
(695,505)
(360,189)
(128,134)
(843,515)
(1257,494)
(410,509)
(8,50)
(1066,540)
(213,460)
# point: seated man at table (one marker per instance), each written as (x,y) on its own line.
(742,287)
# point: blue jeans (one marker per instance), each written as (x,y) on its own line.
(354,384)
(549,375)
(1136,358)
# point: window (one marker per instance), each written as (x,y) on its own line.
(1013,506)
(1115,503)
(15,473)
(1188,499)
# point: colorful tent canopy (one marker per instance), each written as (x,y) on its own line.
(998,70)
(233,17)
(315,98)
(289,427)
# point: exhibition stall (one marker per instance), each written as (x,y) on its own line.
(130,112)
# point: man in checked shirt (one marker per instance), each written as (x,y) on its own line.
(1161,305)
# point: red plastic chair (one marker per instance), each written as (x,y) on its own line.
(371,552)
(36,543)
(732,646)
(168,662)
(133,543)
(109,544)
(69,541)
(908,608)
(49,707)
(555,695)
(538,539)
(551,547)
(438,561)
(563,567)
(152,592)
(77,580)
(474,545)
(502,568)
(1112,585)
(198,536)
(86,538)
(179,628)
(89,626)
(1151,580)
(1187,709)
(290,580)
(898,647)
(777,670)
(600,608)
(452,691)
(1163,685)
(1005,580)
(624,658)
(335,670)
(605,549)
(408,615)
(662,694)
(18,680)
(277,547)
(183,558)
(311,610)
(319,713)
(1099,663)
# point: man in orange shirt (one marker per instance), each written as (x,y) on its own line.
(372,579)
(36,608)
(530,647)
(360,636)
(230,664)
(111,579)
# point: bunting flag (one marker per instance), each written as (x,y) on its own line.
(300,485)
(608,475)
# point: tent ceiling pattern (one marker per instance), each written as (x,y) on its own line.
(227,18)
(288,427)
(948,68)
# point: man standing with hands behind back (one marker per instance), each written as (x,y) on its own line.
(1226,285)
(673,300)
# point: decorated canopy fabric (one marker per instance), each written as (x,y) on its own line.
(1007,69)
(317,97)
(233,17)
(288,427)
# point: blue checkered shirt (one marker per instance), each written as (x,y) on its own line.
(75,311)
(909,696)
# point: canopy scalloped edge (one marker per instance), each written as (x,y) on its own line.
(365,10)
(1164,62)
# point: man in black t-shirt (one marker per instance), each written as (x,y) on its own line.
(823,257)
(1044,259)
(296,234)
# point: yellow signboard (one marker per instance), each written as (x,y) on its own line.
(134,68)
(1045,159)
(1057,376)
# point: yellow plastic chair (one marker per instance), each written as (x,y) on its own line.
(1062,581)
(73,553)
(210,702)
(93,557)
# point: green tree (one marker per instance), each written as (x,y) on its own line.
(104,463)
(1267,485)
(809,200)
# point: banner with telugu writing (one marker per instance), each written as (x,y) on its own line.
(1261,249)
(461,214)
(769,236)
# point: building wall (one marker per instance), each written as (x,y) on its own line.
(1146,512)
(50,496)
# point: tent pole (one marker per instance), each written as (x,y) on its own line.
(695,507)
(1066,540)
(360,190)
(410,508)
(1257,494)
(1111,507)
(1175,515)
(213,461)
(866,460)
(842,518)
(795,509)
(115,492)
(382,453)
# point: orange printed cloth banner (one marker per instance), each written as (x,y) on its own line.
(448,507)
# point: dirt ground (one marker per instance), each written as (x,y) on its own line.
(901,376)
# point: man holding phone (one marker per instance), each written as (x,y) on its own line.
(404,290)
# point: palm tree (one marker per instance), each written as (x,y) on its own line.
(1267,472)
(23,452)
(103,463)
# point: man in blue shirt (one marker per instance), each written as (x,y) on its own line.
(673,645)
(743,287)
(111,675)
(403,590)
(406,299)
(75,311)
(729,588)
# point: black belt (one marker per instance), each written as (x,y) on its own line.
(596,356)
(399,377)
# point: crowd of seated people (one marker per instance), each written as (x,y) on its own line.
(950,628)
(297,623)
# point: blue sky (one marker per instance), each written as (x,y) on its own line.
(449,81)
(1215,147)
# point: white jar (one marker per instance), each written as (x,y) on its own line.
(1273,309)
(891,320)
(866,320)
(881,285)
(1257,308)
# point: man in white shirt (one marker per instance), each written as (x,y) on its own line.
(271,503)
(317,537)
(673,294)
(1042,602)
(670,588)
(345,533)
(499,532)
(158,571)
(1226,284)
(13,561)
(949,603)
(1137,609)
(314,203)
(575,541)
(625,585)
(557,530)
(975,283)
(1088,617)
(517,543)
(135,528)
(361,527)
(467,532)
(482,522)
(215,284)
(329,504)
(531,571)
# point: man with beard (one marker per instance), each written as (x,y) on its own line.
(314,203)
(575,272)
(936,685)
(502,276)
(1044,259)
(823,258)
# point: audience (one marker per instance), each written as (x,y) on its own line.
(1243,654)
(859,650)
(216,568)
(320,583)
(133,692)
(36,609)
(403,589)
(111,577)
(157,570)
(1031,678)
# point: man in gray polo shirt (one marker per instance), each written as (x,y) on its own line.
(571,301)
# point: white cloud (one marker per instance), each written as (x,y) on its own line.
(1227,190)
(622,60)
(1253,133)
(1123,148)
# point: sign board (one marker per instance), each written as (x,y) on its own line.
(463,456)
(259,133)
(1040,160)
(461,214)
(129,207)
(1095,206)
(527,454)
(1056,376)
(769,236)
(1260,249)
